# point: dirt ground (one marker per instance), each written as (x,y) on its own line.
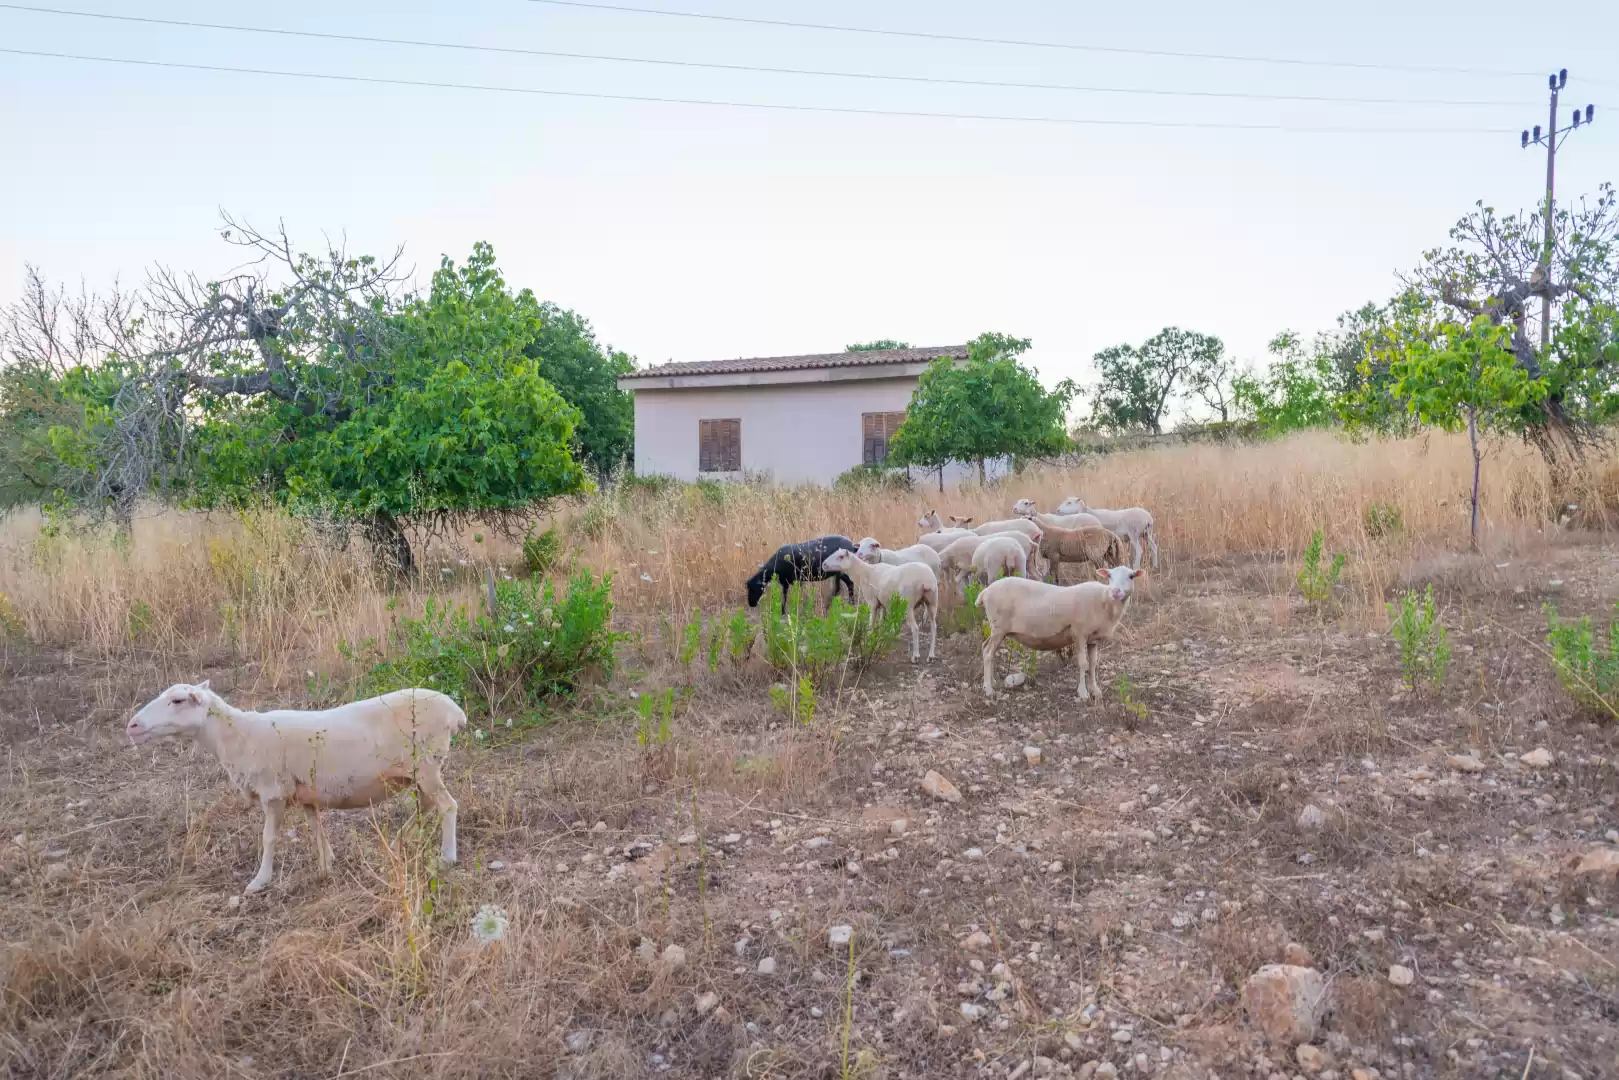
(1092,906)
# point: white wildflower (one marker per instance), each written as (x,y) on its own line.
(480,734)
(489,925)
(461,562)
(508,723)
(445,571)
(311,674)
(646,577)
(510,629)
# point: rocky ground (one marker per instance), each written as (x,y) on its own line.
(1262,857)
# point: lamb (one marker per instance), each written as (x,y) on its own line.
(793,563)
(1051,617)
(935,534)
(873,552)
(1134,523)
(343,758)
(957,557)
(878,585)
(1000,555)
(1087,544)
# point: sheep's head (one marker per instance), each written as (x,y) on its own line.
(1072,505)
(180,708)
(1120,580)
(960,522)
(839,560)
(756,589)
(929,520)
(1024,508)
(869,549)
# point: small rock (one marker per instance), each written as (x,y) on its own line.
(838,937)
(731,838)
(674,957)
(898,826)
(706,1001)
(496,866)
(1073,1041)
(1363,1074)
(767,966)
(1285,1002)
(1014,680)
(1297,955)
(1400,975)
(815,843)
(1031,754)
(1055,867)
(599,827)
(977,941)
(973,854)
(234,902)
(973,1011)
(57,870)
(931,733)
(940,788)
(816,1012)
(1538,758)
(1106,1071)
(1468,763)
(686,839)
(1310,1058)
(578,1042)
(1123,1035)
(1312,817)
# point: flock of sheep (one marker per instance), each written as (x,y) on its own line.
(358,754)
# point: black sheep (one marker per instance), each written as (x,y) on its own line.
(799,562)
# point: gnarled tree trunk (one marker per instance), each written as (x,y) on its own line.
(390,547)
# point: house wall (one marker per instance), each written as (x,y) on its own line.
(797,433)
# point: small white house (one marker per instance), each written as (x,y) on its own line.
(793,419)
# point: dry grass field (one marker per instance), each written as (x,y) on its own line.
(1089,910)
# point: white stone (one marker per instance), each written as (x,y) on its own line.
(838,937)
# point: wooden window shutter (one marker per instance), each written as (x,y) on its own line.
(876,429)
(719,446)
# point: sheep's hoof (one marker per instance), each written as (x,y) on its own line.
(255,886)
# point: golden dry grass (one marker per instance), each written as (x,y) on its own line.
(259,587)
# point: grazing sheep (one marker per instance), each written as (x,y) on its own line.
(956,558)
(873,552)
(334,759)
(878,585)
(1021,525)
(1088,544)
(943,538)
(1025,508)
(1051,617)
(1133,523)
(999,555)
(793,563)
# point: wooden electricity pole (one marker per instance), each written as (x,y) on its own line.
(1555,84)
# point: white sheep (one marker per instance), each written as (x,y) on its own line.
(956,557)
(1020,525)
(877,586)
(1051,617)
(936,535)
(327,759)
(1025,508)
(873,552)
(1000,555)
(1135,524)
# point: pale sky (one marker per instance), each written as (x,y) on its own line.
(697,232)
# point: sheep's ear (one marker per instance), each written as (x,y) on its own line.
(203,685)
(1104,575)
(1138,573)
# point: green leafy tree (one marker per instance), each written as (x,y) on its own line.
(1464,376)
(1136,385)
(991,407)
(878,345)
(335,392)
(586,375)
(1509,269)
(1294,393)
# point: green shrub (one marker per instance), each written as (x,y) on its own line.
(542,552)
(655,724)
(1382,520)
(1126,691)
(1315,581)
(1586,665)
(740,635)
(796,699)
(800,641)
(1424,641)
(539,648)
(872,478)
(966,616)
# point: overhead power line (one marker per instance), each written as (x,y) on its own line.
(765,105)
(1025,43)
(512,50)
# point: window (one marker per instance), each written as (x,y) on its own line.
(876,428)
(719,446)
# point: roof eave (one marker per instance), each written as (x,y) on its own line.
(651,380)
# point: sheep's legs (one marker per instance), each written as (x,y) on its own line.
(916,635)
(1152,538)
(933,630)
(272,828)
(323,848)
(990,645)
(1135,544)
(1093,663)
(431,784)
(1082,662)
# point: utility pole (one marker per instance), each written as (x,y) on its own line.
(1550,139)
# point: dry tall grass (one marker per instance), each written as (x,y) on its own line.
(260,588)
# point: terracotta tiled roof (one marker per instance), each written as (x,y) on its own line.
(866,358)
